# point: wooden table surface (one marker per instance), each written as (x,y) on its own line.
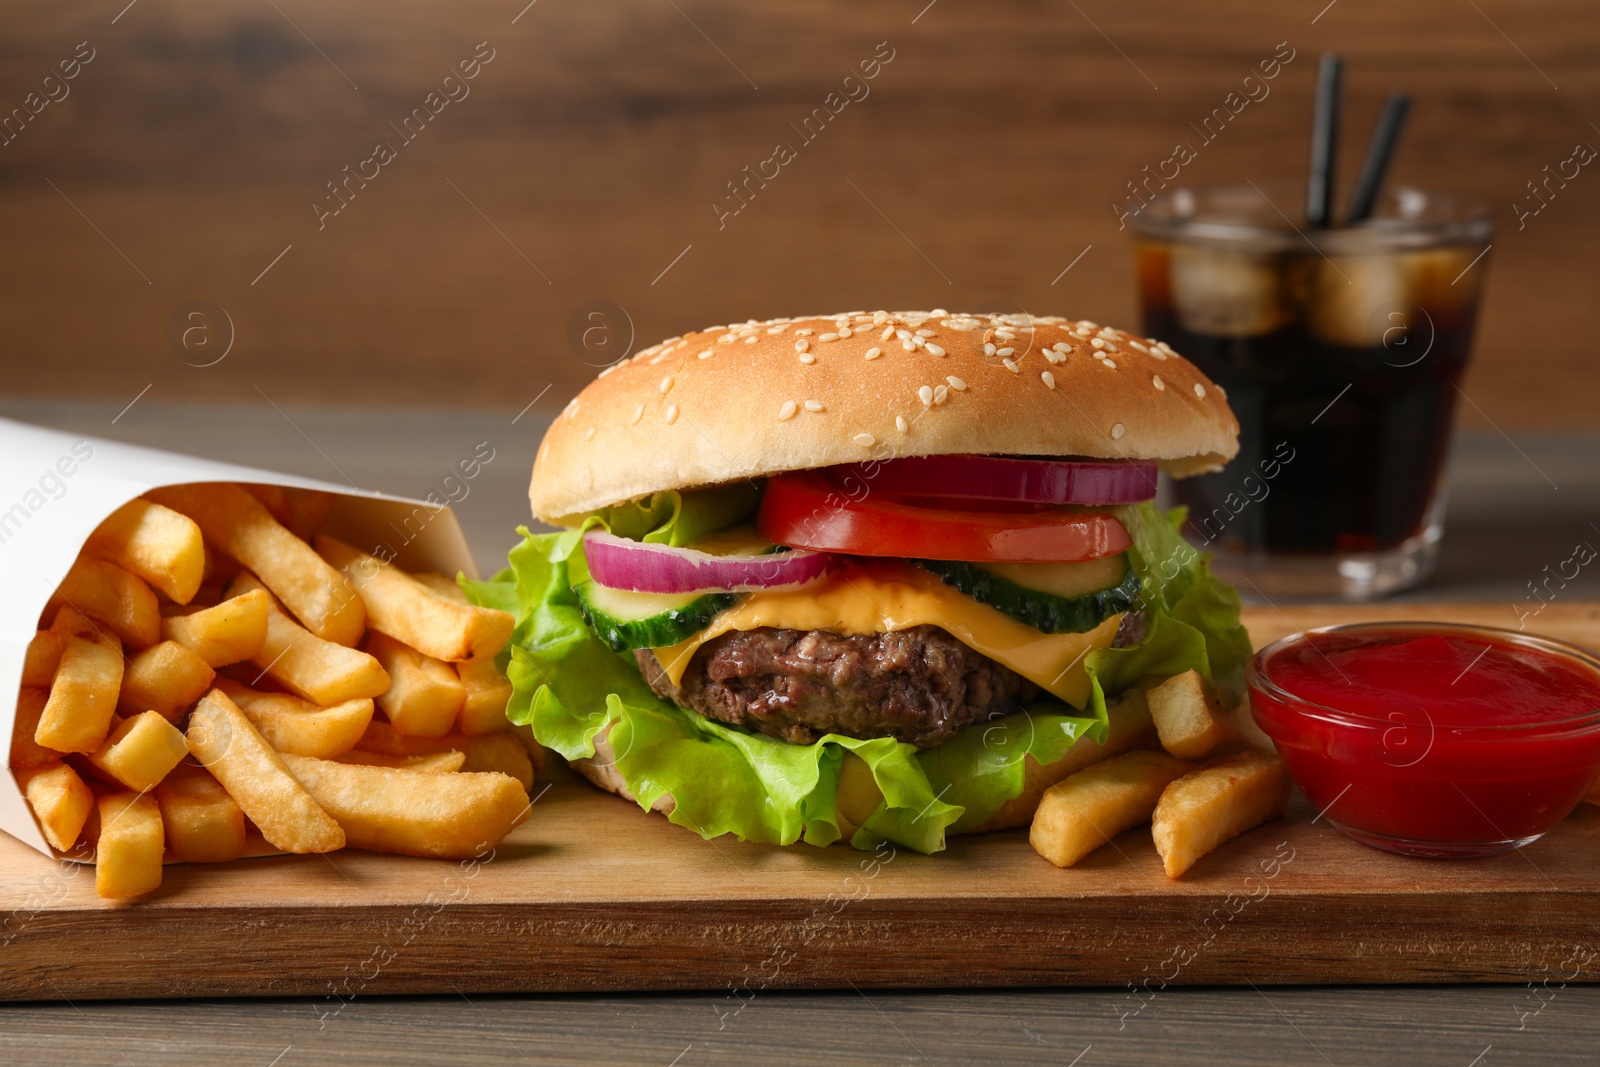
(1518,505)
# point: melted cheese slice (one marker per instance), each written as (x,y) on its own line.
(881,598)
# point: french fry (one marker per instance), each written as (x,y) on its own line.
(488,752)
(298,726)
(441,586)
(438,762)
(1128,728)
(272,498)
(404,609)
(487,693)
(1217,803)
(321,671)
(1187,718)
(308,509)
(155,543)
(1082,812)
(416,813)
(68,620)
(140,751)
(164,678)
(60,800)
(424,695)
(230,632)
(83,694)
(39,661)
(114,597)
(523,732)
(238,523)
(127,857)
(203,823)
(25,751)
(225,742)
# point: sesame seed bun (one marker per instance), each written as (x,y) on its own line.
(760,398)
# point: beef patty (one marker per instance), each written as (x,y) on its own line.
(919,685)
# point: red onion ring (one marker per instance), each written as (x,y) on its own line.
(649,568)
(1034,481)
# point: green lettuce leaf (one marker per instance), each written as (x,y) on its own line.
(572,688)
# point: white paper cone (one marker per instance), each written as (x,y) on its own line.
(55,488)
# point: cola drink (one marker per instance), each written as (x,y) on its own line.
(1341,353)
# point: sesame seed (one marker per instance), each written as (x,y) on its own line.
(1157,353)
(956,383)
(900,424)
(815,405)
(829,337)
(879,317)
(1085,324)
(1048,379)
(938,311)
(988,350)
(750,340)
(1223,393)
(1117,431)
(940,394)
(805,332)
(845,331)
(786,412)
(925,394)
(1011,365)
(725,339)
(1136,344)
(588,434)
(1098,355)
(924,333)
(1006,351)
(904,335)
(888,332)
(1097,343)
(1158,383)
(1109,363)
(807,357)
(935,350)
(638,413)
(1199,390)
(706,353)
(801,345)
(666,384)
(672,414)
(908,345)
(865,440)
(874,353)
(1053,357)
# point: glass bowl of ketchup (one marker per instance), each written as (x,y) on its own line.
(1433,739)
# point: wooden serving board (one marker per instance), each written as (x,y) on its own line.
(592,894)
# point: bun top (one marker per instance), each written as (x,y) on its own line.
(759,398)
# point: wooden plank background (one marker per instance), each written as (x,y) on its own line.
(186,155)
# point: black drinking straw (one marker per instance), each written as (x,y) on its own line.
(1324,143)
(1379,155)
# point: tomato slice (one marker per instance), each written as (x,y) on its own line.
(807,510)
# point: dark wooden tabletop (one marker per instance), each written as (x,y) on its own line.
(1517,503)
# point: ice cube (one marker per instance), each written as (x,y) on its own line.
(1361,301)
(1442,282)
(1226,294)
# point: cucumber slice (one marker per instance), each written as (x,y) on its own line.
(627,620)
(1043,611)
(742,540)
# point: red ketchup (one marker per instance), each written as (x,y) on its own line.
(1431,739)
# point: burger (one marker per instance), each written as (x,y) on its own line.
(872,577)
